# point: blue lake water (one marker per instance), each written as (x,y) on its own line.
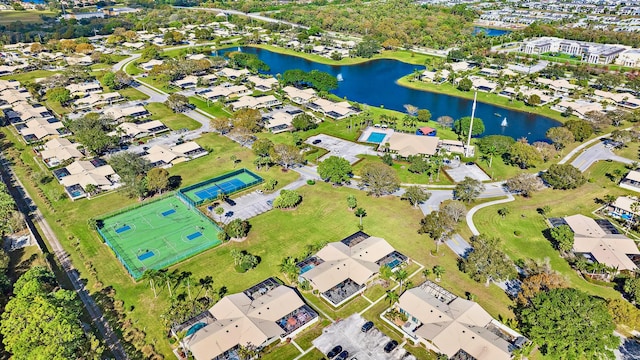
(490,31)
(374,83)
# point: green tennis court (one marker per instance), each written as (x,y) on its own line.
(158,234)
(227,183)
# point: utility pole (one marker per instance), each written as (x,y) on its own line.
(473,112)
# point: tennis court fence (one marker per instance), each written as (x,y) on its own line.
(203,184)
(137,205)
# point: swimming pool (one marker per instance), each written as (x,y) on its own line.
(376,137)
(306,268)
(195,328)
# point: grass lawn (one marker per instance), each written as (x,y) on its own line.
(524,217)
(214,108)
(281,351)
(401,168)
(21,260)
(400,55)
(133,94)
(29,76)
(31,16)
(173,120)
(630,150)
(57,107)
(132,69)
(314,354)
(305,340)
(494,99)
(374,292)
(157,84)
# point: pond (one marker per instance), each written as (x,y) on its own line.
(490,31)
(374,83)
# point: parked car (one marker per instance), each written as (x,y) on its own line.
(335,351)
(230,202)
(316,141)
(390,346)
(343,355)
(367,326)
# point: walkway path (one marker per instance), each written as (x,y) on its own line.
(27,205)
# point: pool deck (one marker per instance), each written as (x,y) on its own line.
(371,129)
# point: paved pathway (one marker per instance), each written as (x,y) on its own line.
(27,205)
(459,245)
(596,153)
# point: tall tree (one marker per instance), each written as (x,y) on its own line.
(468,189)
(487,261)
(524,184)
(335,169)
(523,155)
(569,324)
(563,177)
(380,178)
(560,137)
(438,226)
(415,195)
(157,180)
(461,126)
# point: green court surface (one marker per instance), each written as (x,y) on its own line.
(158,234)
(227,184)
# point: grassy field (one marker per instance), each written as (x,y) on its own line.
(214,108)
(531,244)
(173,120)
(630,150)
(133,94)
(132,69)
(29,76)
(489,98)
(31,16)
(406,177)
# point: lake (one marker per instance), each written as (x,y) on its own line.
(374,83)
(490,31)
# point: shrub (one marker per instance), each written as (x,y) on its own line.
(517,233)
(311,182)
(287,199)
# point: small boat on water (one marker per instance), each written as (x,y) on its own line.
(339,77)
(504,122)
(496,114)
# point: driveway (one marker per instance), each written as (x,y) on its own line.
(437,197)
(473,171)
(596,153)
(340,148)
(361,346)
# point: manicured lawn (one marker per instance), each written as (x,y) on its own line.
(214,108)
(281,351)
(314,354)
(173,120)
(406,177)
(57,107)
(531,244)
(374,292)
(132,69)
(630,150)
(157,84)
(29,76)
(305,340)
(31,16)
(133,94)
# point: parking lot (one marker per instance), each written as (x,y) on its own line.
(340,148)
(361,346)
(471,170)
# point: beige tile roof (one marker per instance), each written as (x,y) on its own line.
(409,144)
(454,326)
(357,263)
(242,320)
(633,175)
(608,249)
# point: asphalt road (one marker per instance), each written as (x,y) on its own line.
(596,153)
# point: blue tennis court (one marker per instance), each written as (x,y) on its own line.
(123,229)
(145,255)
(168,212)
(195,235)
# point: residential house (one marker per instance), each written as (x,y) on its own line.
(148,66)
(40,129)
(262,84)
(280,120)
(58,150)
(129,111)
(129,131)
(258,316)
(79,60)
(621,99)
(259,102)
(482,84)
(232,74)
(77,177)
(165,156)
(437,77)
(580,108)
(334,110)
(631,181)
(85,88)
(340,270)
(97,99)
(599,241)
(406,145)
(225,91)
(562,86)
(299,96)
(623,207)
(456,327)
(187,82)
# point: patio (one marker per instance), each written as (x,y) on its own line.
(342,292)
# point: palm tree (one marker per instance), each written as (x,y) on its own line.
(426,272)
(205,283)
(401,276)
(186,277)
(289,268)
(392,296)
(236,255)
(151,275)
(360,212)
(219,211)
(248,351)
(438,271)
